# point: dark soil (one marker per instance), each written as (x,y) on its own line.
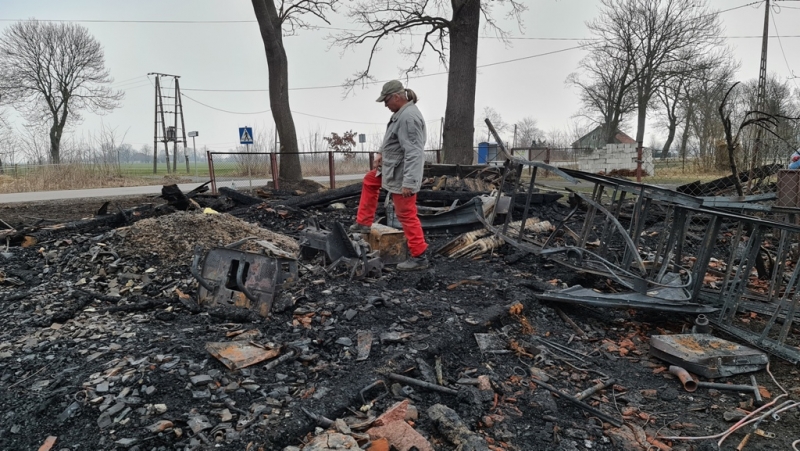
(70,352)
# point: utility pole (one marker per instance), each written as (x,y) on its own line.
(762,92)
(162,132)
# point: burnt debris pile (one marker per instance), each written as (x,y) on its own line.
(605,315)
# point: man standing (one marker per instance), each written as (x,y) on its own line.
(398,170)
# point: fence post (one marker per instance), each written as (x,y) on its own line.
(273,162)
(639,162)
(547,159)
(371,161)
(438,156)
(332,170)
(211,172)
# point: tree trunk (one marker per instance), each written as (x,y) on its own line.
(641,118)
(269,24)
(685,137)
(670,137)
(459,114)
(55,145)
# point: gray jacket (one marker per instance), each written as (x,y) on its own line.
(403,150)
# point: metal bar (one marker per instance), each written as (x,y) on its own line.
(590,212)
(729,269)
(620,228)
(560,225)
(701,264)
(527,202)
(780,258)
(787,322)
(598,413)
(742,276)
(423,384)
(786,296)
(666,240)
(331,170)
(604,236)
(682,236)
(493,215)
(518,171)
(640,223)
(372,161)
(211,173)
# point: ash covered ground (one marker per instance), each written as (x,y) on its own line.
(104,347)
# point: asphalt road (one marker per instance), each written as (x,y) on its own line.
(141,190)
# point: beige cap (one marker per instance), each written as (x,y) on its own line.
(389,88)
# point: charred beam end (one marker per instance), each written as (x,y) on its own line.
(240,198)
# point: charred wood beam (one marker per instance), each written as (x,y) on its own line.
(321,198)
(240,198)
(339,194)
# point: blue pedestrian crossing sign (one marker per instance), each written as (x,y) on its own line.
(245,135)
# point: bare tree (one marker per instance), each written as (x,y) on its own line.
(273,22)
(704,93)
(451,32)
(499,124)
(53,71)
(674,93)
(657,38)
(605,92)
(528,132)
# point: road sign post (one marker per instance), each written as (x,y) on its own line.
(194,148)
(246,138)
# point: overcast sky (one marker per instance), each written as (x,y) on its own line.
(221,57)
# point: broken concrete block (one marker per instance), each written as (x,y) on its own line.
(395,413)
(401,436)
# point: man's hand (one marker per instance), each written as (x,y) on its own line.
(376,163)
(407,192)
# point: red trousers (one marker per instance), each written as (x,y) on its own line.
(404,207)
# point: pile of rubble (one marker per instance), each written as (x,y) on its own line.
(272,328)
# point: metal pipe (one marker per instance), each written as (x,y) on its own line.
(686,379)
(331,170)
(422,384)
(211,172)
(701,325)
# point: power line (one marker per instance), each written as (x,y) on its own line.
(780,43)
(480,66)
(220,109)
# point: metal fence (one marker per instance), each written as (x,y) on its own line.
(249,169)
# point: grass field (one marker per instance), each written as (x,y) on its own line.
(25,178)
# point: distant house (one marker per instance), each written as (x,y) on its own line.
(595,140)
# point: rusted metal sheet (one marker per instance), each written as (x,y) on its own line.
(707,355)
(240,354)
(240,279)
